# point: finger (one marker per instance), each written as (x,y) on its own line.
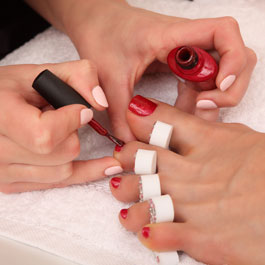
(232,96)
(41,132)
(165,159)
(40,174)
(64,152)
(84,79)
(222,34)
(188,131)
(157,67)
(187,95)
(209,115)
(119,93)
(81,75)
(80,172)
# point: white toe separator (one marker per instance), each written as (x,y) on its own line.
(149,187)
(145,162)
(167,258)
(161,134)
(161,209)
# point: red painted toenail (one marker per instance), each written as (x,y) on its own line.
(146,232)
(115,182)
(142,106)
(118,148)
(124,213)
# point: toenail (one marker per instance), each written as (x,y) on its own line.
(115,182)
(142,106)
(146,232)
(124,213)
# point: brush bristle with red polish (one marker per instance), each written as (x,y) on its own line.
(102,131)
(118,148)
(96,126)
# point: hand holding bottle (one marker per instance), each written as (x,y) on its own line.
(125,42)
(38,144)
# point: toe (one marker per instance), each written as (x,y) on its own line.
(188,130)
(125,188)
(135,217)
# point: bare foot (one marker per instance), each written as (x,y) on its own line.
(216,178)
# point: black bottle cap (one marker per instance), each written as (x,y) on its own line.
(57,92)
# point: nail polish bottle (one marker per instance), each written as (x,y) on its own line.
(195,65)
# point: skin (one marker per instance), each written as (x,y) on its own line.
(37,151)
(215,175)
(124,49)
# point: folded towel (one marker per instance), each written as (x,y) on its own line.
(80,223)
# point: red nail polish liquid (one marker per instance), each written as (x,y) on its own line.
(118,148)
(195,65)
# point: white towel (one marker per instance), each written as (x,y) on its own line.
(80,223)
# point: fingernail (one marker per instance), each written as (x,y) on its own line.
(142,106)
(86,116)
(206,104)
(99,96)
(227,82)
(115,182)
(113,170)
(124,213)
(146,232)
(118,148)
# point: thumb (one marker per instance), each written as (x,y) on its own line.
(119,95)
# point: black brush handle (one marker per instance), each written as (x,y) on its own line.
(56,91)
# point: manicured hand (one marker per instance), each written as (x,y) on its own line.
(38,144)
(125,42)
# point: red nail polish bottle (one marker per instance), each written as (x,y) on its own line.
(195,65)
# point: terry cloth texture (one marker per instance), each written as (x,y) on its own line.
(80,223)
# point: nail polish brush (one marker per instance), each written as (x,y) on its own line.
(59,94)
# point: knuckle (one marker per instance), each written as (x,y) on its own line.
(231,101)
(42,141)
(230,21)
(252,56)
(73,147)
(65,171)
(88,65)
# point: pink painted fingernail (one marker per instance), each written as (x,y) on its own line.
(99,96)
(227,82)
(124,213)
(85,116)
(113,170)
(206,104)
